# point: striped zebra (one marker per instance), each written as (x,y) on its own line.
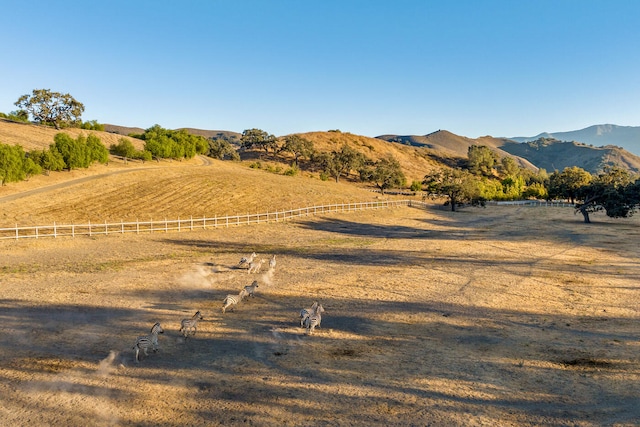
(314,319)
(250,290)
(232,300)
(306,312)
(255,266)
(145,341)
(188,325)
(247,260)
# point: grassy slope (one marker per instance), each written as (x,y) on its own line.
(33,137)
(174,190)
(171,189)
(415,162)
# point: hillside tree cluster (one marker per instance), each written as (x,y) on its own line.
(65,153)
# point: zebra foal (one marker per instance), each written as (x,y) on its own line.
(145,341)
(314,319)
(255,266)
(306,312)
(251,290)
(246,260)
(188,325)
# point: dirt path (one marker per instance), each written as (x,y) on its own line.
(499,316)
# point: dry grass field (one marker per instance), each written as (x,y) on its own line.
(510,316)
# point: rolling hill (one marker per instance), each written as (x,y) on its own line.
(550,154)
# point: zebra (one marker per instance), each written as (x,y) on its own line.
(145,341)
(187,325)
(272,262)
(250,290)
(232,300)
(314,319)
(255,265)
(247,260)
(306,312)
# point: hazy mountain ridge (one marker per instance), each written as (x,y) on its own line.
(452,145)
(551,154)
(626,137)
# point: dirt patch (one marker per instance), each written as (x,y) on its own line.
(498,316)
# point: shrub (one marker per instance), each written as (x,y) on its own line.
(292,171)
(416,186)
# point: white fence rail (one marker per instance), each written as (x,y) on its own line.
(166,225)
(93,229)
(551,204)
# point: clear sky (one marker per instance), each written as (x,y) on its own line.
(369,67)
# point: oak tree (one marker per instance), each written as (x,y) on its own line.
(51,108)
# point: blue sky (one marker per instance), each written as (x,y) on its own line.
(501,68)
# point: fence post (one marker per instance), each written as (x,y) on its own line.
(55,233)
(18,233)
(89,228)
(106,228)
(73,231)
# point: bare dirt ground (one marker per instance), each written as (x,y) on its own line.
(505,316)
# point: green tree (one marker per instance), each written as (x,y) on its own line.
(51,108)
(566,184)
(458,185)
(482,160)
(386,173)
(48,160)
(124,148)
(173,144)
(512,187)
(16,116)
(221,149)
(80,152)
(92,125)
(11,163)
(339,163)
(509,167)
(257,138)
(96,151)
(72,151)
(298,146)
(611,191)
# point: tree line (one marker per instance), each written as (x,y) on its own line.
(614,190)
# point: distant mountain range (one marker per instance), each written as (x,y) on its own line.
(627,137)
(546,151)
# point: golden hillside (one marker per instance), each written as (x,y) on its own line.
(38,137)
(415,161)
(169,189)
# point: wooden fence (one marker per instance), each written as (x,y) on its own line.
(166,225)
(93,229)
